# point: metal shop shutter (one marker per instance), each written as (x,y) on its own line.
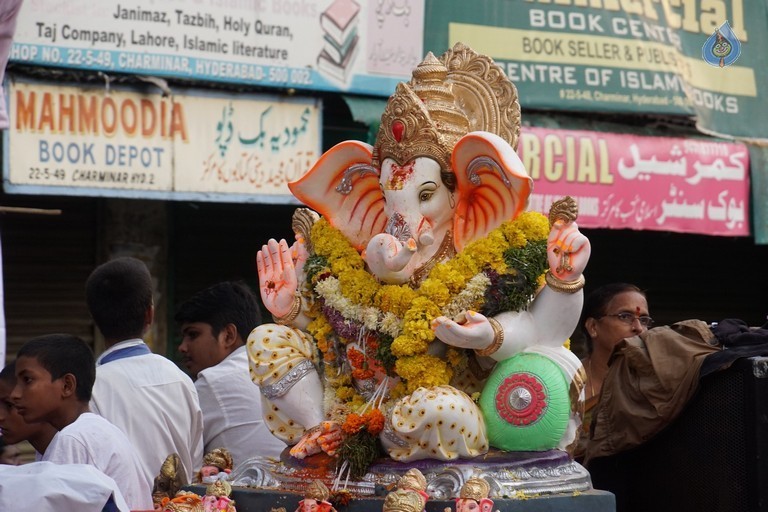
(46,260)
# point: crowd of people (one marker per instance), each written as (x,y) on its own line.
(127,410)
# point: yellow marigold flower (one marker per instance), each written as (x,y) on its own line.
(395,299)
(456,358)
(466,268)
(357,402)
(534,224)
(399,390)
(423,371)
(345,393)
(487,251)
(405,345)
(358,286)
(344,378)
(515,238)
(436,291)
(320,330)
(466,265)
(448,274)
(341,263)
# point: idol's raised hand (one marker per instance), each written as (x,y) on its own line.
(568,250)
(278,279)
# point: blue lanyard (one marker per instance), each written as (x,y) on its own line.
(136,350)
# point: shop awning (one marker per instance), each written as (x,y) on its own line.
(367,111)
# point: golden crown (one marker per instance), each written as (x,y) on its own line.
(401,500)
(317,491)
(219,457)
(475,489)
(413,479)
(219,488)
(447,98)
(184,501)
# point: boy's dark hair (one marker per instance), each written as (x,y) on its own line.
(8,374)
(118,294)
(221,304)
(61,354)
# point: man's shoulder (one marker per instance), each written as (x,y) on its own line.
(230,371)
(140,375)
(159,361)
(89,422)
(152,366)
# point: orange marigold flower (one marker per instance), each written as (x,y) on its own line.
(375,421)
(362,374)
(356,358)
(353,424)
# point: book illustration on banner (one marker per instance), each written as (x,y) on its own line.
(339,23)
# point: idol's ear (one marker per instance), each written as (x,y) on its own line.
(491,183)
(343,187)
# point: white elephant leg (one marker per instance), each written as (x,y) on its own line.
(548,322)
(556,314)
(280,424)
(281,361)
(438,423)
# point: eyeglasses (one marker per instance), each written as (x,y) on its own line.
(628,318)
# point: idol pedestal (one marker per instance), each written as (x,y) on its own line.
(256,500)
(520,481)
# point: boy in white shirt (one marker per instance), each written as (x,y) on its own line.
(54,380)
(143,394)
(215,323)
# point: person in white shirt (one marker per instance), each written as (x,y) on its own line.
(54,379)
(45,486)
(215,323)
(144,394)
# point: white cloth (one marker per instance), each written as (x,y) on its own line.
(9,12)
(49,487)
(155,404)
(231,405)
(91,439)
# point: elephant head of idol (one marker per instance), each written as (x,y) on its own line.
(443,171)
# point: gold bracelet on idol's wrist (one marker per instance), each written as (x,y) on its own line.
(292,314)
(498,339)
(562,286)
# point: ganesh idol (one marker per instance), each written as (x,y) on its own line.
(422,310)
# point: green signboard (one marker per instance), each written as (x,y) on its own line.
(691,57)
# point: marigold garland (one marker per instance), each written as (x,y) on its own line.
(348,304)
(361,304)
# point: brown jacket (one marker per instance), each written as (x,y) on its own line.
(650,379)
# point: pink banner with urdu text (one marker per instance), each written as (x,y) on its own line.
(637,182)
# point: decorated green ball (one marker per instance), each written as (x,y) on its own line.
(526,403)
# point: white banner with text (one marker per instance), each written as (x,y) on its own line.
(125,142)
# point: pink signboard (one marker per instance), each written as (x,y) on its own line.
(637,182)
